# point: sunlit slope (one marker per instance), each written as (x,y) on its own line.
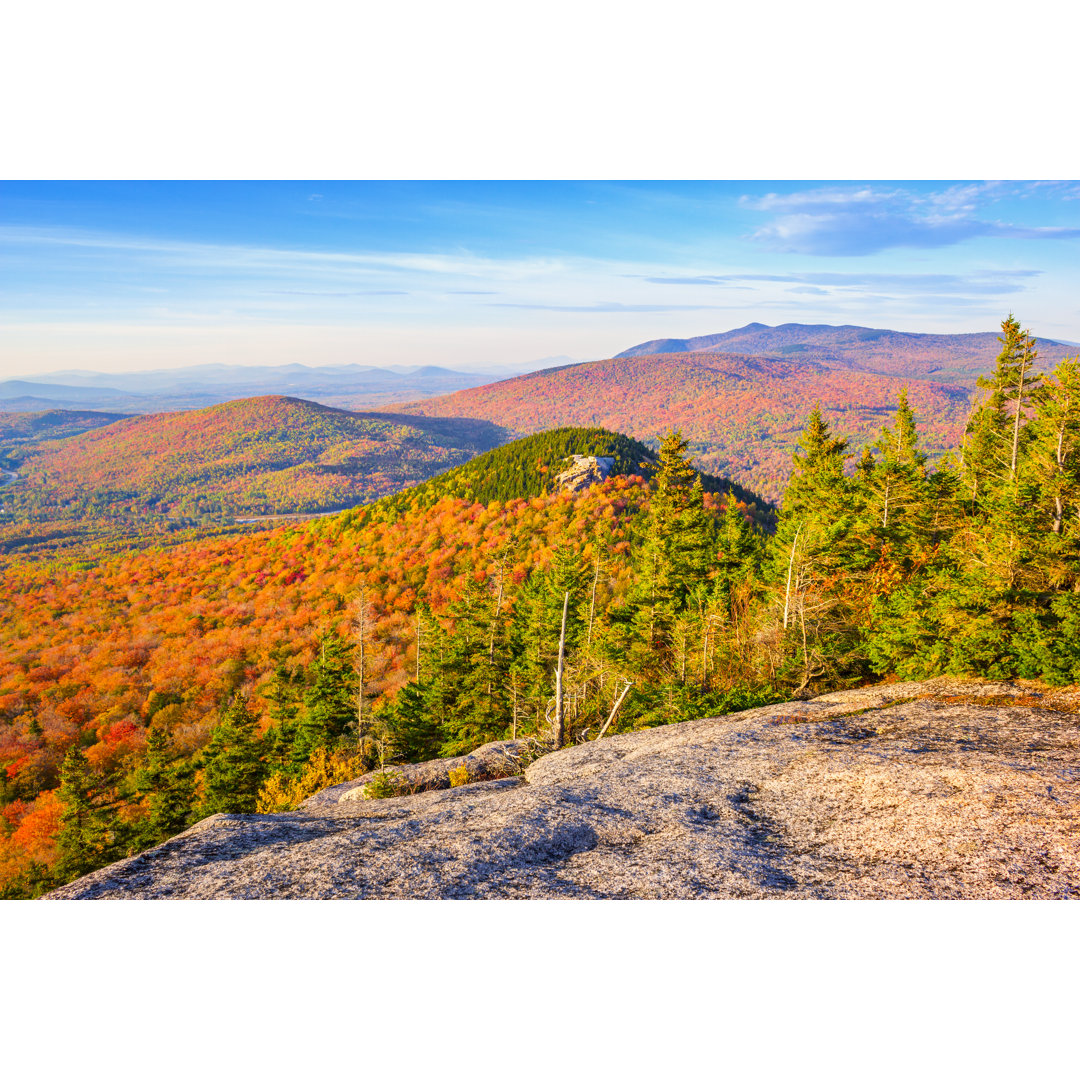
(528,467)
(741,414)
(953,358)
(254,456)
(166,636)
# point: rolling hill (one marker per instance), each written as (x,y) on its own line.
(20,430)
(741,414)
(526,469)
(261,456)
(956,358)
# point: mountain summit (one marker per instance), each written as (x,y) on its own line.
(957,358)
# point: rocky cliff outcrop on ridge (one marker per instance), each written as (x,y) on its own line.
(583,472)
(939,789)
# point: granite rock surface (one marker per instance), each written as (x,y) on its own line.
(583,472)
(939,789)
(492,761)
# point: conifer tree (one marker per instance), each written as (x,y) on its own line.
(1053,473)
(673,554)
(533,630)
(413,733)
(1046,606)
(233,770)
(476,712)
(896,481)
(813,549)
(82,841)
(169,786)
(994,437)
(329,706)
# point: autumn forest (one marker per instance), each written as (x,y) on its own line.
(153,674)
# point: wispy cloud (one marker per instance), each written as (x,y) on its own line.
(986,283)
(608,307)
(865,220)
(216,257)
(362,292)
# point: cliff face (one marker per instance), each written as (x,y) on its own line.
(583,472)
(941,789)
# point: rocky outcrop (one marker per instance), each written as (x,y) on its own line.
(939,789)
(584,472)
(492,761)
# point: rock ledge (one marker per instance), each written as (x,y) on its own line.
(938,789)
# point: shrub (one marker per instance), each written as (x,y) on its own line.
(386,784)
(324,769)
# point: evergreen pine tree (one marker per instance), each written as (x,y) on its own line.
(233,769)
(477,669)
(1053,467)
(1046,615)
(814,550)
(672,556)
(413,734)
(169,786)
(895,485)
(82,840)
(329,704)
(995,435)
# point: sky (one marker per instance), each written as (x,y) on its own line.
(498,276)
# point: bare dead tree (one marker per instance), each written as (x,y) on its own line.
(560,724)
(498,604)
(790,565)
(362,622)
(592,598)
(419,633)
(614,709)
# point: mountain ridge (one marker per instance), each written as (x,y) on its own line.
(951,357)
(742,415)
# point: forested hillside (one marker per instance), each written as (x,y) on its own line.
(261,456)
(741,415)
(952,358)
(244,673)
(529,466)
(19,429)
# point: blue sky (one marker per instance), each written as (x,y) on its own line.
(121,276)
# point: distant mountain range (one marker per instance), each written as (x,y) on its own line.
(742,414)
(742,397)
(958,358)
(211,384)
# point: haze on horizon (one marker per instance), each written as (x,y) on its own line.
(500,276)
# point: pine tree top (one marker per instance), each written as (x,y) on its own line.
(819,446)
(1014,374)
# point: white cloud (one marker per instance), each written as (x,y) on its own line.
(865,220)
